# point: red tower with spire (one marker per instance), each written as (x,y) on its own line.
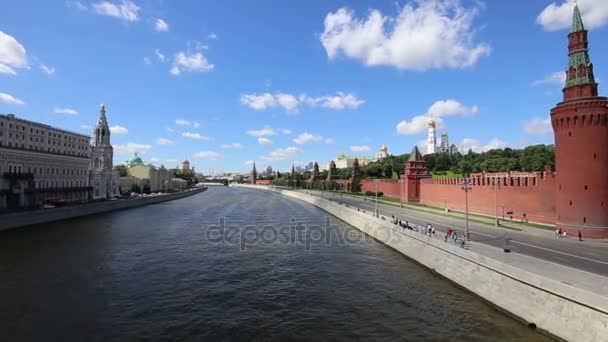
(254,175)
(415,171)
(581,143)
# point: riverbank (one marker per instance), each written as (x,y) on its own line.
(564,302)
(40,216)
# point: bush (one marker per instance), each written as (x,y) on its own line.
(371,193)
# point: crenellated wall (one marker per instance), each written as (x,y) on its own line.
(390,187)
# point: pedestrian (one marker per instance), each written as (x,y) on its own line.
(557,233)
(560,233)
(580,236)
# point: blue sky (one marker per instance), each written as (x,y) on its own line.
(224,83)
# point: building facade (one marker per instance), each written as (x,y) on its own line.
(102,177)
(146,178)
(40,163)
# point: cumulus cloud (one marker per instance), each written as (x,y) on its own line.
(190,62)
(557,78)
(196,136)
(473,144)
(291,103)
(428,34)
(131,148)
(208,155)
(212,35)
(233,146)
(10,99)
(125,10)
(12,55)
(183,122)
(538,126)
(47,69)
(305,138)
(261,132)
(68,111)
(285,131)
(264,141)
(557,16)
(160,25)
(163,141)
(282,154)
(437,111)
(147,61)
(118,130)
(360,149)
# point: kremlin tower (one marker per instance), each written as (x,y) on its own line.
(581,144)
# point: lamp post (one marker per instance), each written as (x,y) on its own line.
(466,186)
(496,187)
(376,181)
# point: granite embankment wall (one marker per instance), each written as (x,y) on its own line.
(32,217)
(558,308)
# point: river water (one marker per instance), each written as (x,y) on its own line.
(228,264)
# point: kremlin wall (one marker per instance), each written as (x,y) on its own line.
(574,197)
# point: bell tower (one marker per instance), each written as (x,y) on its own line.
(102,152)
(581,139)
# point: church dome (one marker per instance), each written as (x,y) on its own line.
(136,160)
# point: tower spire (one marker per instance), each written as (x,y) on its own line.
(580,81)
(577,19)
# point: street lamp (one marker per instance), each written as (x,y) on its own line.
(496,187)
(466,186)
(376,181)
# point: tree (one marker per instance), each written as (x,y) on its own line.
(122,170)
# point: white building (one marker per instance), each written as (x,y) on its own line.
(432,138)
(102,177)
(383,153)
(40,163)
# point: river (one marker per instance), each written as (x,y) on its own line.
(228,264)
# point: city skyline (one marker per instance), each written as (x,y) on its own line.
(223,87)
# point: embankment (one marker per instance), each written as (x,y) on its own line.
(39,216)
(537,297)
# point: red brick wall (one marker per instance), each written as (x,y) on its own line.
(533,196)
(390,187)
(262,182)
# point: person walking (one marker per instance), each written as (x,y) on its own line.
(580,236)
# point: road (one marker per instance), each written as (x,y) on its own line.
(587,255)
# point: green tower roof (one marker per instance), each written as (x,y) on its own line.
(415,156)
(577,20)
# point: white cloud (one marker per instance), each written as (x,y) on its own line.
(285,131)
(212,35)
(182,122)
(6,70)
(282,154)
(147,61)
(79,5)
(196,136)
(163,141)
(119,130)
(10,99)
(160,25)
(538,126)
(261,132)
(306,137)
(360,149)
(192,62)
(557,78)
(68,111)
(437,111)
(161,57)
(208,154)
(559,16)
(47,69)
(12,55)
(428,34)
(291,102)
(126,10)
(473,144)
(233,146)
(338,101)
(86,127)
(264,141)
(249,162)
(196,124)
(170,130)
(131,148)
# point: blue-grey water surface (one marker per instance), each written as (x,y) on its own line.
(167,272)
